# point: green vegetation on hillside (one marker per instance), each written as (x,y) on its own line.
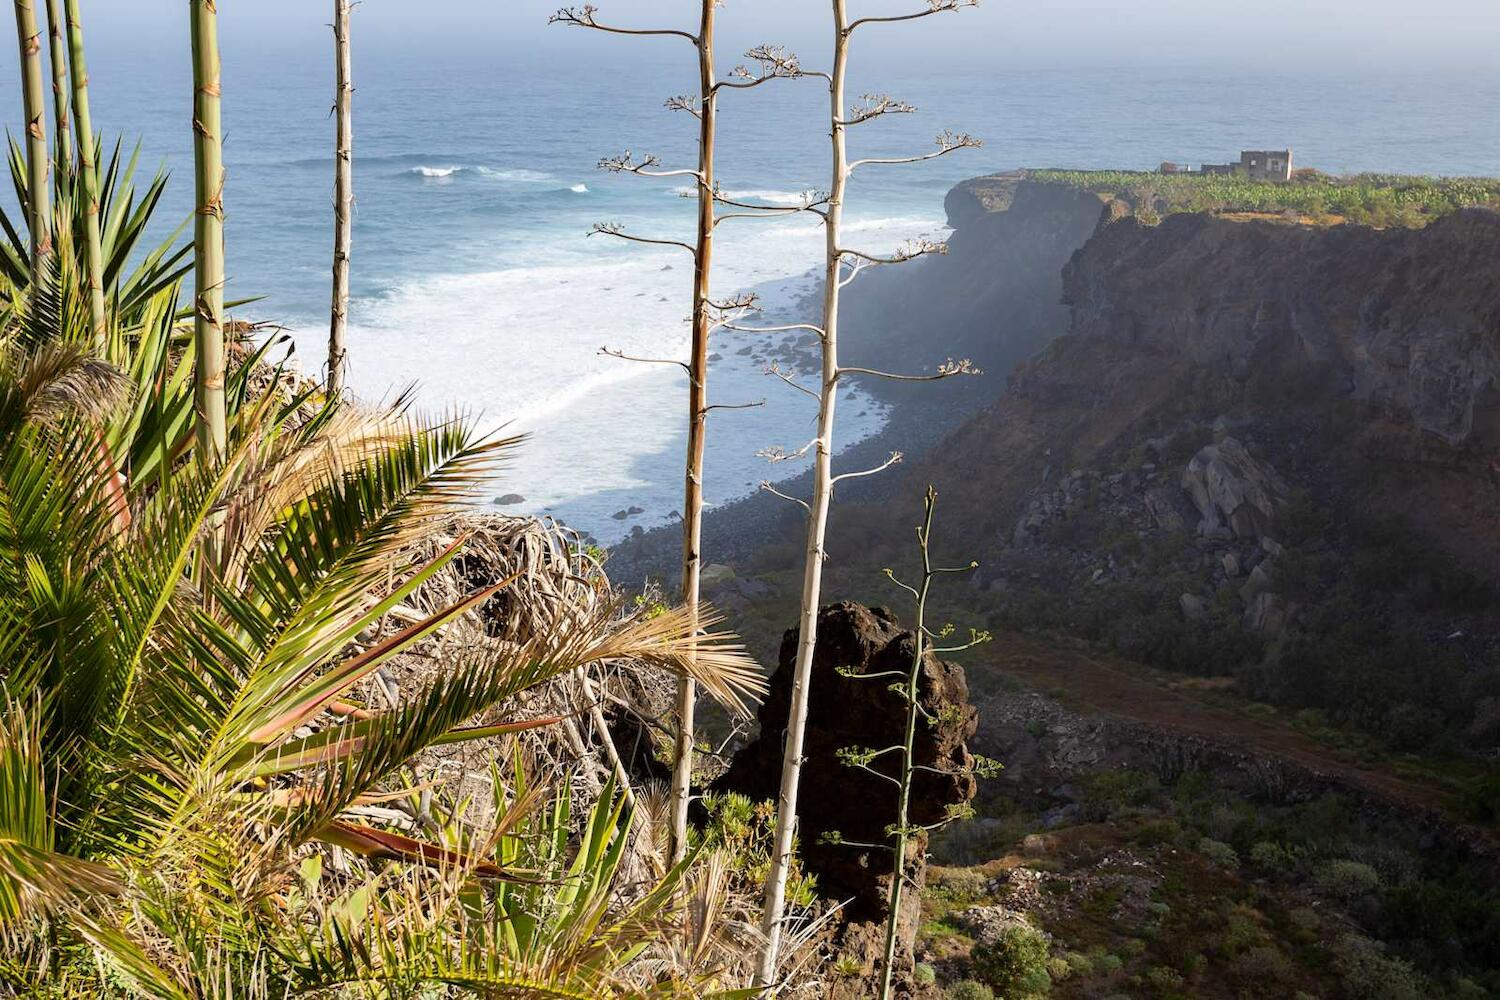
(1174,885)
(1367,199)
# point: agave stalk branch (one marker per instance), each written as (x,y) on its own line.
(343,195)
(208,237)
(38,158)
(59,65)
(774,908)
(692,504)
(913,707)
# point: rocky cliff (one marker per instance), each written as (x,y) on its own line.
(1259,448)
(995,297)
(1202,318)
(1405,321)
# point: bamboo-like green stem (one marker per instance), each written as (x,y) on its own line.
(774,908)
(908,744)
(59,65)
(38,167)
(88,174)
(208,237)
(692,505)
(343,195)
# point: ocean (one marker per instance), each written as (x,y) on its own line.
(474,275)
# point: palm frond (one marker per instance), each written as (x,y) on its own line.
(34,879)
(716,660)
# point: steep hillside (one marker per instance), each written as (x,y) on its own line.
(995,297)
(1261,449)
(1259,453)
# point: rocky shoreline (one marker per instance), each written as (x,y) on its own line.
(735,531)
(995,296)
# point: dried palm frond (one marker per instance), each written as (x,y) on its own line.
(61,380)
(713,659)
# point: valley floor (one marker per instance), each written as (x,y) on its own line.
(1095,683)
(1159,837)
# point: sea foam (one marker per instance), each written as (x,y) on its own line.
(493,173)
(520,345)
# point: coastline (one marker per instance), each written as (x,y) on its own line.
(735,531)
(739,379)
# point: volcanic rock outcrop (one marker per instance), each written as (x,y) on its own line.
(847,711)
(1232,491)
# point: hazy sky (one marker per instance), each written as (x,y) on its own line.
(1344,34)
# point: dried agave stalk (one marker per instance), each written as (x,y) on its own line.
(208,236)
(59,89)
(841,266)
(343,195)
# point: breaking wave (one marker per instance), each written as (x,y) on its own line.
(493,173)
(765,197)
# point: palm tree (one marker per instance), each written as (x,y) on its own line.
(208,235)
(88,172)
(195,747)
(38,188)
(343,195)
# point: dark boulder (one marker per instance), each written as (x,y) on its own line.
(845,711)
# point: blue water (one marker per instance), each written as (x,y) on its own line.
(476,188)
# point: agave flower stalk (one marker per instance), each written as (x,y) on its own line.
(38,167)
(817,520)
(923,644)
(208,236)
(707,316)
(841,266)
(88,172)
(343,194)
(706,109)
(692,502)
(58,53)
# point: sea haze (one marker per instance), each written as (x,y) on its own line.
(476,188)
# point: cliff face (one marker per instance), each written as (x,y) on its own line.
(1387,341)
(1407,321)
(1262,449)
(995,297)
